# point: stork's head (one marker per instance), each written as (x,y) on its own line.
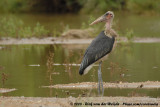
(107,17)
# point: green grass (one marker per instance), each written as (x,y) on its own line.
(12,27)
(129,34)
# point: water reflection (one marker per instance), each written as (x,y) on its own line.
(128,62)
(50,70)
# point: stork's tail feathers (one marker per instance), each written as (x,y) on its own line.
(85,71)
(81,71)
(84,68)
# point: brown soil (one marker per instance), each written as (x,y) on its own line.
(87,85)
(52,40)
(71,101)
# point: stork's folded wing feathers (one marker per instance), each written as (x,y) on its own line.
(99,47)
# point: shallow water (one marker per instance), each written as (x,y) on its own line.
(31,66)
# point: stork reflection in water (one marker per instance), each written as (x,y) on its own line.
(100,47)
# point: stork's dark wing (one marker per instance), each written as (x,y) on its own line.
(100,46)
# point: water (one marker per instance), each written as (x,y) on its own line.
(142,25)
(31,66)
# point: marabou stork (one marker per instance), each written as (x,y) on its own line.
(100,47)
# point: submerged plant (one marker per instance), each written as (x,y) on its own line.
(4,78)
(50,69)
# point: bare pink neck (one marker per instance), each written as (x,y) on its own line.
(108,26)
(109,31)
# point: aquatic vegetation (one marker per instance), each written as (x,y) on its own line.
(4,78)
(50,62)
(129,34)
(12,27)
(39,30)
(56,33)
(25,32)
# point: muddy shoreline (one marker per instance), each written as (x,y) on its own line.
(89,85)
(53,40)
(6,90)
(81,101)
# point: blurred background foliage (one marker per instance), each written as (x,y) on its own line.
(75,6)
(49,6)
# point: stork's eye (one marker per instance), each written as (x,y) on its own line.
(107,14)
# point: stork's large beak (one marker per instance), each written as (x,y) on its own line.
(100,19)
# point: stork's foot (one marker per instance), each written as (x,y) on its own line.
(100,81)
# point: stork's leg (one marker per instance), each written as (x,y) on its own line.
(100,81)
